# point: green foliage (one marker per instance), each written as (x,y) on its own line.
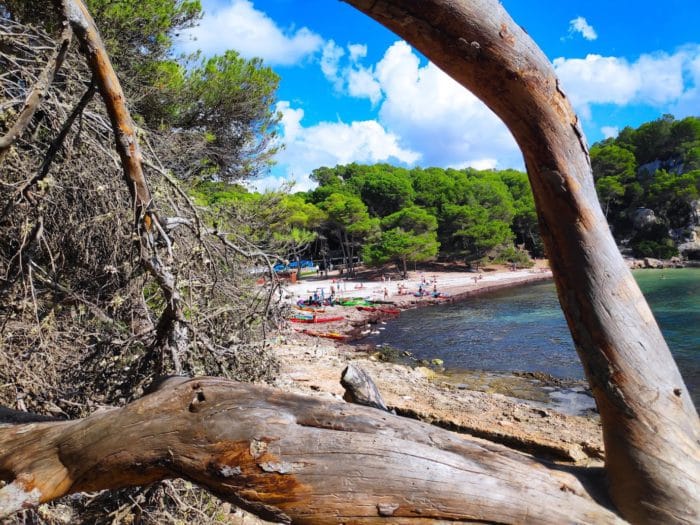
(385,190)
(476,231)
(403,247)
(215,115)
(409,235)
(413,219)
(511,255)
(216,194)
(228,101)
(654,166)
(653,241)
(611,160)
(610,191)
(497,204)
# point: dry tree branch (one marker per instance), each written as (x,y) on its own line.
(38,92)
(59,140)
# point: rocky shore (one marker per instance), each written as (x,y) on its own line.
(479,407)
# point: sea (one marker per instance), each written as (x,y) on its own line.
(522,329)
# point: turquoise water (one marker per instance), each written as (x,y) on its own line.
(523,328)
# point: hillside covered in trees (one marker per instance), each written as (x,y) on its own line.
(647,179)
(648,183)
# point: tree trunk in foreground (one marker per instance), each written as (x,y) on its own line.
(650,427)
(287,457)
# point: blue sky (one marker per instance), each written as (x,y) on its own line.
(351,91)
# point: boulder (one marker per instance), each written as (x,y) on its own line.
(649,262)
(643,217)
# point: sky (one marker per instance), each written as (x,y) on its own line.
(352,91)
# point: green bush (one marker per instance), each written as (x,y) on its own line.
(658,250)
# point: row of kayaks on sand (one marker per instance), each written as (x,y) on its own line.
(314,319)
(307,314)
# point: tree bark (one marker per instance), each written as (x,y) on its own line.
(650,426)
(111,91)
(290,458)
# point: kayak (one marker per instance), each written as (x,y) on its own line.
(354,302)
(314,320)
(310,309)
(328,335)
(391,311)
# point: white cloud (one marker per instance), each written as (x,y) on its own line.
(357,51)
(655,80)
(581,25)
(362,84)
(431,113)
(354,79)
(333,143)
(330,63)
(689,103)
(610,131)
(435,115)
(252,33)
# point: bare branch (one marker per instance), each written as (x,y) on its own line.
(38,92)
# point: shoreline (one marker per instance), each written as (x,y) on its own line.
(313,365)
(452,286)
(491,406)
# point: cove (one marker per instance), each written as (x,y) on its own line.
(523,329)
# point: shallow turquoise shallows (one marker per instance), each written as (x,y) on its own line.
(523,328)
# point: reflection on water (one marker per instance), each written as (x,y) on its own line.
(523,329)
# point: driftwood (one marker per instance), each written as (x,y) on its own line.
(287,457)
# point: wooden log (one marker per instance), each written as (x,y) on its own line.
(651,429)
(290,458)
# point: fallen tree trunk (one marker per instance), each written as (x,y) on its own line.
(287,457)
(651,430)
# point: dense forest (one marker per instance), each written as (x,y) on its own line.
(647,179)
(648,183)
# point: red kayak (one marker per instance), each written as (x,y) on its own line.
(392,311)
(315,320)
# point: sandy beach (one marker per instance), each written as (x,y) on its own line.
(450,284)
(437,284)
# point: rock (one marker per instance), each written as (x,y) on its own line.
(643,217)
(437,362)
(427,372)
(649,262)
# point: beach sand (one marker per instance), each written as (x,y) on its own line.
(454,285)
